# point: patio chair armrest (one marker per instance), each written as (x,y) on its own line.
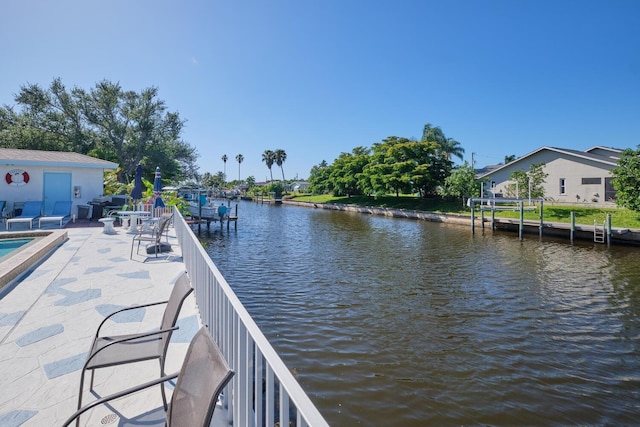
(133,307)
(130,338)
(118,395)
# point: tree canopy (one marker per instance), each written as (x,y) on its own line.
(626,179)
(107,122)
(462,183)
(395,165)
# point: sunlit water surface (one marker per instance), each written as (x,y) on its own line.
(398,322)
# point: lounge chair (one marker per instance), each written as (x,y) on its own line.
(203,376)
(152,234)
(117,350)
(30,211)
(60,211)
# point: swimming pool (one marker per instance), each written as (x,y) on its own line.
(9,245)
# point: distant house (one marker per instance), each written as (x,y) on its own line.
(50,176)
(573,176)
(299,186)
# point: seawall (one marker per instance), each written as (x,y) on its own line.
(623,236)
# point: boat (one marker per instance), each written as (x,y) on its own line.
(204,212)
(204,208)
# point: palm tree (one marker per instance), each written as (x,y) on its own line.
(509,158)
(268,157)
(239,159)
(224,159)
(451,147)
(433,134)
(448,146)
(280,156)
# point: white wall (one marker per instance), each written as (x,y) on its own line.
(90,180)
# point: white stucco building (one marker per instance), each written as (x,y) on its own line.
(573,176)
(50,176)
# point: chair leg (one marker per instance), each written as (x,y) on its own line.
(82,372)
(164,396)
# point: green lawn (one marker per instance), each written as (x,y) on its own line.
(620,218)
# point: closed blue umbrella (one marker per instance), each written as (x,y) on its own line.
(136,193)
(157,190)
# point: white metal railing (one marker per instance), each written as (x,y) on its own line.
(263,392)
(155,212)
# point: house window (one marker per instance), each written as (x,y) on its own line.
(586,181)
(563,187)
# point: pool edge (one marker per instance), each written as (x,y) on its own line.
(25,259)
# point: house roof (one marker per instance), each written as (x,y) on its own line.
(606,160)
(615,152)
(14,156)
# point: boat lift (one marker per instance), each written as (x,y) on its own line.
(601,233)
(494,204)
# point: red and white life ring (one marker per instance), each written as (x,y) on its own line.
(17,177)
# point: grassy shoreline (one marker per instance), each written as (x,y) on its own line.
(586,215)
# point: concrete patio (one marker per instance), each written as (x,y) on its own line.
(48,319)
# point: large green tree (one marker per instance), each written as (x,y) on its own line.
(319,178)
(346,172)
(126,127)
(626,179)
(401,165)
(462,183)
(391,166)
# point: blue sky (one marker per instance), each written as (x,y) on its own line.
(320,77)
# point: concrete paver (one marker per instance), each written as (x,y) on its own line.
(48,319)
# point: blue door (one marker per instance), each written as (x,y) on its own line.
(57,188)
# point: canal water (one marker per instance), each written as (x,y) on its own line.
(396,322)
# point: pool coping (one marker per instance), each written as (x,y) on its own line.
(30,255)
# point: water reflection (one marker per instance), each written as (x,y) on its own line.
(399,322)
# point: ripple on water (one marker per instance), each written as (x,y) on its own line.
(394,322)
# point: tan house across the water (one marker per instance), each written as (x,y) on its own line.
(573,176)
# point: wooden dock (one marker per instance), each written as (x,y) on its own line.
(199,220)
